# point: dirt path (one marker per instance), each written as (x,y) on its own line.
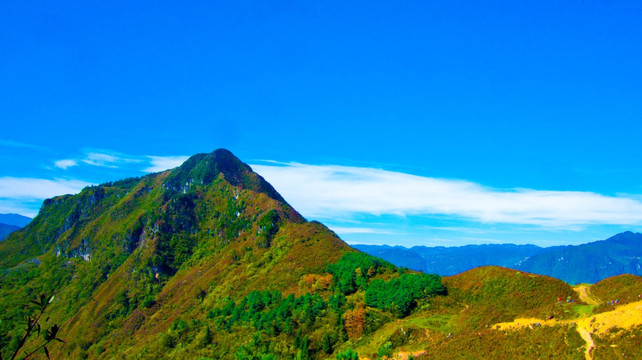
(624,317)
(585,295)
(589,342)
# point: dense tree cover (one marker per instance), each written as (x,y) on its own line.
(399,295)
(269,312)
(272,315)
(354,269)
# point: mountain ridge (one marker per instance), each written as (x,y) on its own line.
(585,263)
(15,219)
(6,229)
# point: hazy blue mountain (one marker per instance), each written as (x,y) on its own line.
(448,261)
(6,229)
(14,219)
(592,262)
(396,255)
(586,263)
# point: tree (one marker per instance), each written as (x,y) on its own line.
(355,321)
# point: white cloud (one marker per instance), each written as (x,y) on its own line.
(99,159)
(64,164)
(111,159)
(359,230)
(332,192)
(33,188)
(26,208)
(162,163)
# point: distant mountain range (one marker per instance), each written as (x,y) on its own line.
(6,230)
(586,263)
(15,219)
(10,223)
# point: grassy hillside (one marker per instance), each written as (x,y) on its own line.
(560,342)
(447,326)
(622,289)
(496,294)
(498,313)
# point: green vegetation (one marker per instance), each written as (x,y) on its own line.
(270,313)
(268,227)
(496,294)
(558,342)
(347,354)
(399,295)
(619,344)
(33,324)
(622,289)
(353,271)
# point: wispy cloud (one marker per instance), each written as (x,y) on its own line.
(24,195)
(113,160)
(107,160)
(65,164)
(33,188)
(359,230)
(17,144)
(162,163)
(332,191)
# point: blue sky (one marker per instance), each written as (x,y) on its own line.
(435,123)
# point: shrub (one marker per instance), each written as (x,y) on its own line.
(348,354)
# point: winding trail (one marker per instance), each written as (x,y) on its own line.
(590,345)
(585,295)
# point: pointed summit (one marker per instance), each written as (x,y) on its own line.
(203,169)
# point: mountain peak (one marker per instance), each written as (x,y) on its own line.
(206,167)
(203,169)
(625,237)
